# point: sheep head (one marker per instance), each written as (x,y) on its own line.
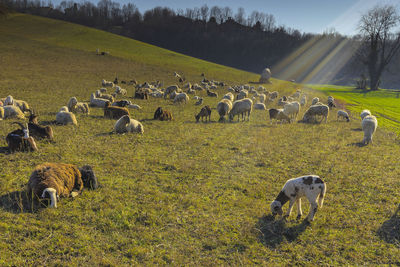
(52,194)
(88,177)
(276,208)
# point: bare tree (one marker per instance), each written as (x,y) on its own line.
(379,43)
(239,17)
(204,12)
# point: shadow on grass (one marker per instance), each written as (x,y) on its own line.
(45,123)
(390,229)
(104,134)
(4,150)
(273,232)
(202,122)
(96,117)
(20,202)
(356,130)
(357,144)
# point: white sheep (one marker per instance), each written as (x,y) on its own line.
(104,96)
(369,125)
(11,112)
(21,104)
(303,100)
(223,108)
(98,102)
(260,106)
(181,97)
(77,107)
(120,91)
(241,107)
(343,114)
(365,113)
(309,186)
(107,83)
(229,96)
(314,101)
(65,117)
(134,106)
(127,125)
(314,111)
(292,109)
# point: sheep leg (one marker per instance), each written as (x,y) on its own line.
(299,211)
(291,203)
(313,210)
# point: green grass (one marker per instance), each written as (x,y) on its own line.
(184,193)
(383,103)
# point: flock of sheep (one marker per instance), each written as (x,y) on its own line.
(53,180)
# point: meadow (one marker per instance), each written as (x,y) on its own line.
(183,193)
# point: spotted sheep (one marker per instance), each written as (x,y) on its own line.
(309,186)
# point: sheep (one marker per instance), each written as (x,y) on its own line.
(170,89)
(204,112)
(273,95)
(104,96)
(127,125)
(223,108)
(35,130)
(105,83)
(262,98)
(241,107)
(97,102)
(296,94)
(120,91)
(365,113)
(77,107)
(181,97)
(103,90)
(113,112)
(303,100)
(20,140)
(162,115)
(141,94)
(369,125)
(54,180)
(229,96)
(331,102)
(212,94)
(11,112)
(292,109)
(343,114)
(242,94)
(314,101)
(121,103)
(260,106)
(278,114)
(21,104)
(199,102)
(134,106)
(65,117)
(282,101)
(313,111)
(309,186)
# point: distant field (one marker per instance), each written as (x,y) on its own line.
(385,104)
(184,193)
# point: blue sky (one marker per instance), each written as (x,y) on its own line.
(313,16)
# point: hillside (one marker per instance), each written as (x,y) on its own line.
(183,193)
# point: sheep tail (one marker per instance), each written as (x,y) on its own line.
(322,195)
(53,196)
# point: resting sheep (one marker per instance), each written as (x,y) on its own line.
(20,140)
(120,91)
(114,112)
(54,180)
(127,125)
(242,106)
(162,115)
(77,107)
(35,130)
(13,112)
(65,117)
(204,112)
(199,102)
(211,94)
(343,114)
(98,102)
(223,108)
(107,83)
(365,113)
(369,125)
(121,103)
(309,186)
(313,112)
(104,96)
(21,104)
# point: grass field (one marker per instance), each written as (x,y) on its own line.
(184,193)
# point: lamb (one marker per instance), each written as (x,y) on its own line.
(292,109)
(105,83)
(228,96)
(241,107)
(127,125)
(65,117)
(54,180)
(331,102)
(303,100)
(343,114)
(21,141)
(113,112)
(204,112)
(120,91)
(278,114)
(314,101)
(365,113)
(181,97)
(162,115)
(223,108)
(212,94)
(369,125)
(309,186)
(313,111)
(77,107)
(260,106)
(98,102)
(104,96)
(13,112)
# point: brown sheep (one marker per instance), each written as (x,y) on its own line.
(114,112)
(204,112)
(162,115)
(19,140)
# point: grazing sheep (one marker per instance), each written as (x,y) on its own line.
(242,94)
(313,112)
(77,107)
(273,95)
(223,108)
(97,102)
(303,100)
(170,89)
(229,96)
(13,112)
(162,115)
(65,117)
(291,109)
(365,113)
(104,96)
(309,186)
(114,112)
(331,102)
(278,115)
(369,125)
(181,97)
(314,101)
(212,94)
(120,91)
(199,102)
(21,141)
(204,112)
(105,83)
(343,114)
(241,107)
(54,180)
(127,125)
(260,106)
(121,103)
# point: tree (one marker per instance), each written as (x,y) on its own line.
(379,43)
